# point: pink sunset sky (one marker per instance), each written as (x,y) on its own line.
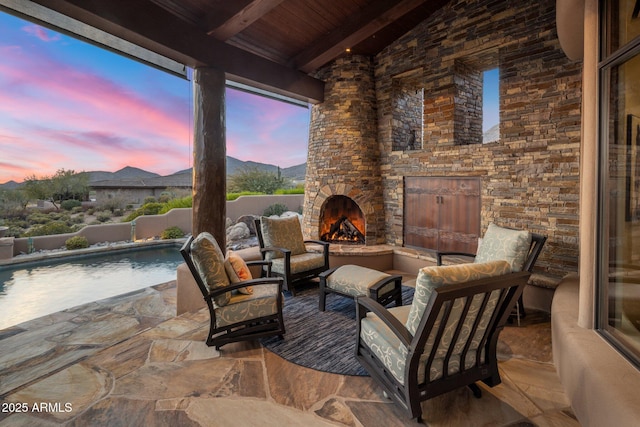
(65,104)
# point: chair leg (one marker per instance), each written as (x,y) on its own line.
(477,393)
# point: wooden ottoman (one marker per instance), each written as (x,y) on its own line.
(353,280)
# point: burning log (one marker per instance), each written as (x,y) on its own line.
(343,230)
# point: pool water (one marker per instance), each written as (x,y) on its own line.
(37,289)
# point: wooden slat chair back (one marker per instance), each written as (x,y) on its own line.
(453,346)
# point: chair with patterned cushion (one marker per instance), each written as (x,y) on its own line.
(520,248)
(241,308)
(446,338)
(282,243)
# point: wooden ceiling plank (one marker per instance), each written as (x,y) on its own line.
(167,35)
(222,11)
(355,29)
(243,18)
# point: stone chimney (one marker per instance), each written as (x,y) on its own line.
(344,156)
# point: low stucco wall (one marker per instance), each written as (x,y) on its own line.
(255,205)
(601,384)
(150,226)
(93,233)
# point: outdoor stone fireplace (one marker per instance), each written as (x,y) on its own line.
(343,165)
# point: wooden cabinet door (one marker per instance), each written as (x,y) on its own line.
(459,215)
(442,213)
(421,212)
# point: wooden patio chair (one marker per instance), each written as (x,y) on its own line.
(505,243)
(240,310)
(282,243)
(445,339)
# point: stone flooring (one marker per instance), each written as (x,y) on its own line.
(128,361)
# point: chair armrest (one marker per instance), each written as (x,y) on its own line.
(439,255)
(261,263)
(257,262)
(325,245)
(283,251)
(328,272)
(369,304)
(375,288)
(252,282)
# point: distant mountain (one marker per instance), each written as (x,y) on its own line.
(492,134)
(129,173)
(234,165)
(10,185)
(126,173)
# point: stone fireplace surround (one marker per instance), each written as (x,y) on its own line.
(344,155)
(357,196)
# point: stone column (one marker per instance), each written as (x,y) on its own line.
(589,168)
(209,153)
(344,157)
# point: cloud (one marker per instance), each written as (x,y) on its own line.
(41,33)
(65,107)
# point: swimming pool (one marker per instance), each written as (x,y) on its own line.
(28,291)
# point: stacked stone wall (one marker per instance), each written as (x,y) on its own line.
(530,176)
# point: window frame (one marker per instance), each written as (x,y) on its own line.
(610,58)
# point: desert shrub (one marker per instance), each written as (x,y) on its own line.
(146,209)
(68,205)
(172,233)
(78,219)
(103,216)
(233,196)
(149,199)
(112,204)
(77,209)
(76,242)
(38,218)
(53,227)
(184,202)
(296,190)
(275,209)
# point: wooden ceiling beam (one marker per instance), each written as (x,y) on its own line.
(148,25)
(243,17)
(355,29)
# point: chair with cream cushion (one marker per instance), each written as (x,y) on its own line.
(445,339)
(520,248)
(241,308)
(282,243)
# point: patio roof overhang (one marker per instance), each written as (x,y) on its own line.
(270,45)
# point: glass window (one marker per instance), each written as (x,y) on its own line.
(491,105)
(619,223)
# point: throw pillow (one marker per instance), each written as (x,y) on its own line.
(504,243)
(430,278)
(209,262)
(238,271)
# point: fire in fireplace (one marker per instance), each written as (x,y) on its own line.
(342,221)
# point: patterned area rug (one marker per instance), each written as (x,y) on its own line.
(324,341)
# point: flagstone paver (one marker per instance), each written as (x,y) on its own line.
(129,361)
